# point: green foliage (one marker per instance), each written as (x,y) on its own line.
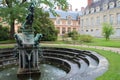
(16,10)
(86,38)
(70,34)
(65,37)
(4,33)
(44,25)
(107,30)
(73,34)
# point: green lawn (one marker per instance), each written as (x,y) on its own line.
(95,42)
(103,42)
(7,42)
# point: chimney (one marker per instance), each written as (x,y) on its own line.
(59,7)
(90,2)
(76,9)
(82,8)
(69,7)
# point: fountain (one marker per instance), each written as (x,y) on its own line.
(57,63)
(28,47)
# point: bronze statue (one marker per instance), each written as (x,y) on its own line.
(28,47)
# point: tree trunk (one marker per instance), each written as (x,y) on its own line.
(12,29)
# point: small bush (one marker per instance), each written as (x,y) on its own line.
(4,33)
(65,37)
(74,35)
(70,34)
(86,38)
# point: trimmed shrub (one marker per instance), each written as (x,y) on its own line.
(86,38)
(70,34)
(4,33)
(74,35)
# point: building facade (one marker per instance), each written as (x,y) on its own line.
(98,12)
(66,21)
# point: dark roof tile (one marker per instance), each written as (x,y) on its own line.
(64,14)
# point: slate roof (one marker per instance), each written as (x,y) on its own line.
(64,14)
(100,4)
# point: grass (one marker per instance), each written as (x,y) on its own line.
(114,65)
(103,42)
(7,42)
(95,42)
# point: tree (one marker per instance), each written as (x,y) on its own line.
(44,25)
(12,10)
(16,10)
(107,30)
(4,31)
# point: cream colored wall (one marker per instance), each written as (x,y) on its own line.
(96,27)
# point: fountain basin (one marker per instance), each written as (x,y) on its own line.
(76,64)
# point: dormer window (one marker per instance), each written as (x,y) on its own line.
(87,11)
(97,9)
(111,5)
(92,10)
(105,7)
(69,20)
(118,3)
(58,20)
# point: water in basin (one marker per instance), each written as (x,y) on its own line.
(48,72)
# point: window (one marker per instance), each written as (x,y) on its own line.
(92,10)
(98,21)
(118,3)
(111,5)
(97,9)
(86,30)
(74,29)
(87,11)
(91,30)
(111,18)
(92,21)
(82,22)
(105,6)
(69,30)
(69,20)
(63,30)
(105,18)
(87,22)
(58,20)
(118,18)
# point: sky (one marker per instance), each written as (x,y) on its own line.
(78,4)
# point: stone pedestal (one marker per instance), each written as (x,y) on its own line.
(25,74)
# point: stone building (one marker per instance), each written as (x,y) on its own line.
(67,21)
(96,13)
